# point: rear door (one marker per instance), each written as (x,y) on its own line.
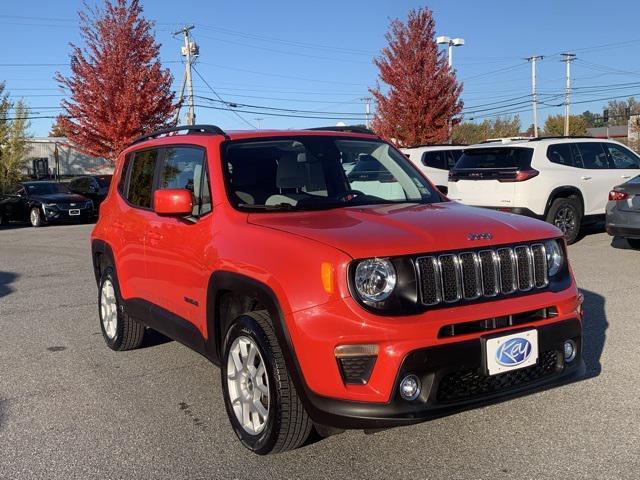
(597,177)
(486,176)
(435,166)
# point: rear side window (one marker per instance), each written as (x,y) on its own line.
(141,178)
(561,154)
(590,155)
(184,168)
(496,158)
(437,159)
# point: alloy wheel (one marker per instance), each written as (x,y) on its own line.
(248,385)
(109,309)
(566,220)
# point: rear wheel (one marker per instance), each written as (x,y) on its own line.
(119,330)
(35,217)
(261,400)
(634,243)
(566,214)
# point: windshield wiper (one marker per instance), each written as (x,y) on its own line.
(277,206)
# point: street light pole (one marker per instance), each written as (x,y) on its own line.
(450,42)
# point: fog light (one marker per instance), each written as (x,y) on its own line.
(569,351)
(410,387)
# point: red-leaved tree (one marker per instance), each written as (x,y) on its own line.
(422,95)
(118,89)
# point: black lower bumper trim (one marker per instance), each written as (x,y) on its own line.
(623,231)
(453,380)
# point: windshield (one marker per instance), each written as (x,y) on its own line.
(104,181)
(518,158)
(45,188)
(320,172)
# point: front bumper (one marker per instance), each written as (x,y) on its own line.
(85,215)
(452,380)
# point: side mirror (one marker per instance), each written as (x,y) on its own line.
(173,202)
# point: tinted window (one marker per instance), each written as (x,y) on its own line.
(104,181)
(184,169)
(123,174)
(590,155)
(560,153)
(621,157)
(453,157)
(141,178)
(437,159)
(517,158)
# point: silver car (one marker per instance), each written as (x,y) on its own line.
(623,212)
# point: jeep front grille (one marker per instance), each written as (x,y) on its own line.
(454,277)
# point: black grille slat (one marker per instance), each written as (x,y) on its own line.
(471,383)
(450,277)
(453,277)
(507,270)
(539,254)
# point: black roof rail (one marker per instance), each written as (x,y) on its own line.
(439,145)
(212,129)
(348,129)
(559,136)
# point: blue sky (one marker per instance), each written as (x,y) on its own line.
(316,56)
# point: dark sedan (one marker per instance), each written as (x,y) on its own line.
(44,202)
(94,187)
(623,212)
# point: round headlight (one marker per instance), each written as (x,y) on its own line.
(555,256)
(375,279)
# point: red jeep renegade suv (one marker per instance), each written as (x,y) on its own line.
(332,283)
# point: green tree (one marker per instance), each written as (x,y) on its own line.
(554,125)
(618,110)
(471,132)
(13,140)
(592,120)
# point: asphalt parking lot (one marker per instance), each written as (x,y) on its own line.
(72,408)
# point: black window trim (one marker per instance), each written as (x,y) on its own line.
(154,184)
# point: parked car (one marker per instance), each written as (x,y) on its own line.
(330,301)
(94,187)
(42,202)
(623,212)
(435,161)
(564,181)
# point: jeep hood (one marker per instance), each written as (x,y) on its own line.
(400,229)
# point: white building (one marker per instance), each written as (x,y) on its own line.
(55,156)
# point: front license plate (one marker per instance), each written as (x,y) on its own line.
(511,352)
(74,212)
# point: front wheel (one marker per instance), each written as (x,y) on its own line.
(260,398)
(566,214)
(35,217)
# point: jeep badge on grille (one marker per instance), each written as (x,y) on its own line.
(480,236)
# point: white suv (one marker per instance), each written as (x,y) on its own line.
(561,180)
(435,161)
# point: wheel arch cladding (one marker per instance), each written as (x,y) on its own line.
(564,192)
(101,254)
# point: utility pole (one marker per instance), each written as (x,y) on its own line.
(534,97)
(190,51)
(367,110)
(567,58)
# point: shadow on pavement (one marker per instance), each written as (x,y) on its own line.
(6,279)
(621,243)
(594,327)
(153,338)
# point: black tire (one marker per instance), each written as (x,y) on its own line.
(634,243)
(35,217)
(566,214)
(288,425)
(128,333)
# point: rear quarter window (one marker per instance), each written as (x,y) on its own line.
(496,158)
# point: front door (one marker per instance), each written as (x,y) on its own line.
(177,248)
